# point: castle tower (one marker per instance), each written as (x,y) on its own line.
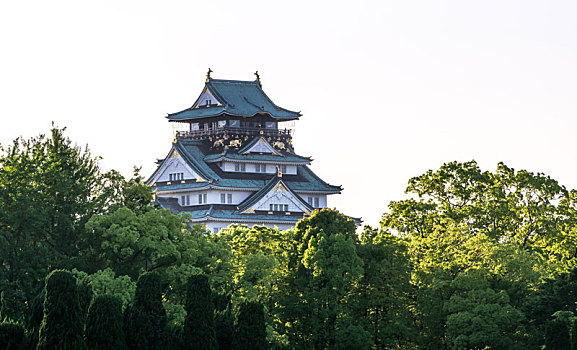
(235,163)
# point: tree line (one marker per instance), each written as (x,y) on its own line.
(472,259)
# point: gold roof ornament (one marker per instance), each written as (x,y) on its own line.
(208,75)
(278,172)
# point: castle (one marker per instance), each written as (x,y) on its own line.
(234,162)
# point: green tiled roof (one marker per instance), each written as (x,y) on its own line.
(194,153)
(288,158)
(239,98)
(221,212)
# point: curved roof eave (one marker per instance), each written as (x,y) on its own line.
(226,112)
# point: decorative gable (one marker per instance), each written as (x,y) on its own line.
(206,99)
(261,146)
(175,169)
(279,198)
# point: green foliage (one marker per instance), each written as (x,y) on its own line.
(319,279)
(479,316)
(473,259)
(224,325)
(104,324)
(105,282)
(172,338)
(384,291)
(130,242)
(559,332)
(352,337)
(501,233)
(12,304)
(145,319)
(249,327)
(199,326)
(12,336)
(62,324)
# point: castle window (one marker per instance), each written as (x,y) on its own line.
(240,167)
(278,207)
(260,168)
(222,198)
(234,123)
(187,199)
(270,125)
(169,177)
(310,200)
(208,102)
(316,202)
(221,123)
(283,169)
(204,197)
(200,199)
(229,198)
(182,200)
(194,126)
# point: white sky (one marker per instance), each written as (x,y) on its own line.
(388,89)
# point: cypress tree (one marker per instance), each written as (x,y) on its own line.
(249,327)
(224,321)
(12,336)
(145,320)
(172,338)
(199,327)
(104,324)
(34,318)
(62,325)
(85,295)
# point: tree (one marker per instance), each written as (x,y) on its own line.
(478,316)
(224,322)
(145,319)
(62,324)
(516,226)
(249,327)
(104,324)
(319,275)
(559,331)
(128,241)
(48,190)
(12,335)
(384,291)
(199,326)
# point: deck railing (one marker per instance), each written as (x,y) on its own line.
(230,130)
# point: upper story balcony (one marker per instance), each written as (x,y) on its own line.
(217,131)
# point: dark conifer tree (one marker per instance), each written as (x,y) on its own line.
(145,320)
(199,327)
(172,338)
(104,324)
(84,296)
(12,336)
(62,324)
(224,321)
(34,318)
(249,327)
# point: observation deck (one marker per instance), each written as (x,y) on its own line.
(219,132)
